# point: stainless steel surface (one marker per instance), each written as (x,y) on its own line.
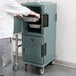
(30,19)
(34,26)
(16,48)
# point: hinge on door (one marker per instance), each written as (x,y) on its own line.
(56,17)
(43,49)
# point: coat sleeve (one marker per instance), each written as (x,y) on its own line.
(15,8)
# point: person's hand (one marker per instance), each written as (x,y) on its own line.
(19,16)
(35,14)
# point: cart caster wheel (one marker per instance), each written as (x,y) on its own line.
(53,62)
(41,71)
(26,67)
(15,67)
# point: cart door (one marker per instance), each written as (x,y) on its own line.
(32,49)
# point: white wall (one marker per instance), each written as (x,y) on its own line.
(66,30)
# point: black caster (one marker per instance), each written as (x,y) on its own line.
(52,62)
(41,71)
(15,67)
(26,67)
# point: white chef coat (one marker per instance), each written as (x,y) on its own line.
(8,8)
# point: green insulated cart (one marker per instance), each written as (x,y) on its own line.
(39,36)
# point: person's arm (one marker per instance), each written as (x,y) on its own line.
(16,9)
